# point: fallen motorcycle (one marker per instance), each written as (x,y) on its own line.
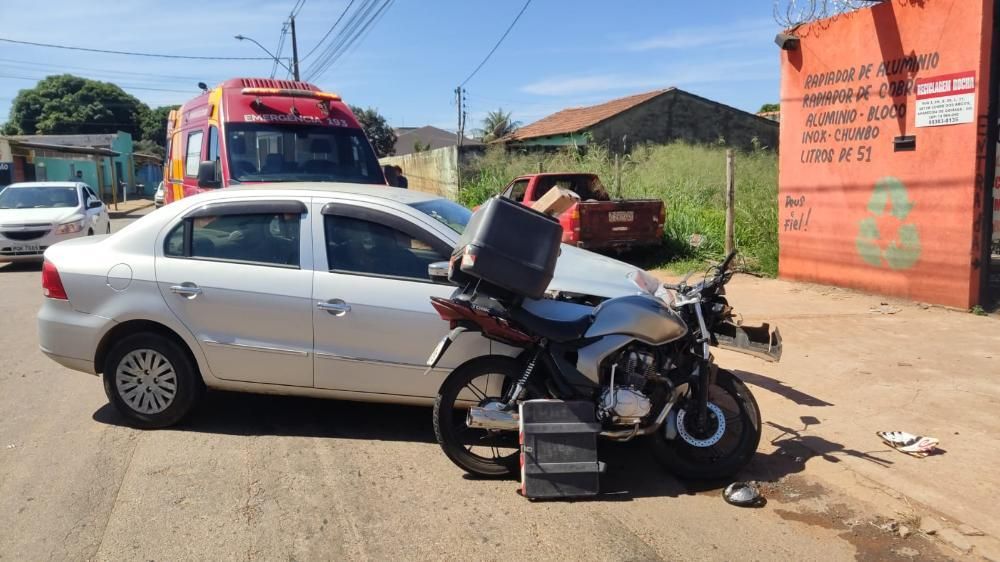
(643,361)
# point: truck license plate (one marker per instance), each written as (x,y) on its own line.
(621,216)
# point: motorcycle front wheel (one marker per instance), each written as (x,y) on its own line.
(722,447)
(480,452)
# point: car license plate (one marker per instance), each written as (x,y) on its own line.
(27,249)
(621,216)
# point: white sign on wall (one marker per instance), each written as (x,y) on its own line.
(949,99)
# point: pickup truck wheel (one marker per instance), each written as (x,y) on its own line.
(150,380)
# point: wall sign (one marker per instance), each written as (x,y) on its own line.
(949,99)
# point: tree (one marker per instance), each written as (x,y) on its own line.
(770,108)
(154,124)
(377,129)
(421,146)
(146,146)
(67,104)
(496,125)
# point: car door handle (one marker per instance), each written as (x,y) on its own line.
(187,289)
(336,307)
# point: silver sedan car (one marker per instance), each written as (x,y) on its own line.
(308,289)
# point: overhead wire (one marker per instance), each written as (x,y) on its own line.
(499,41)
(352,36)
(281,45)
(122,86)
(353,22)
(129,53)
(361,35)
(328,31)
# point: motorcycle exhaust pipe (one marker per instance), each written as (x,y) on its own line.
(489,418)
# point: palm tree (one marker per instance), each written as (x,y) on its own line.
(496,125)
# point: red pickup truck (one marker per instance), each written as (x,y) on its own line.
(596,221)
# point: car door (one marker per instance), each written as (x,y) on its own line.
(97,216)
(238,274)
(374,324)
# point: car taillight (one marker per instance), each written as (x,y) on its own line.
(570,221)
(52,285)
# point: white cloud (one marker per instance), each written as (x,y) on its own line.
(735,34)
(679,75)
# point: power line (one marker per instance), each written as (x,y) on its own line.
(360,36)
(281,45)
(352,23)
(122,86)
(329,31)
(351,37)
(130,53)
(299,4)
(32,64)
(495,47)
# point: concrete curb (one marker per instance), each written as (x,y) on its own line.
(125,213)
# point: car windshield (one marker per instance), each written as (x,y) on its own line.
(41,197)
(265,152)
(449,213)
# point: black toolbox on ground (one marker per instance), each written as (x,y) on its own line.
(559,449)
(509,246)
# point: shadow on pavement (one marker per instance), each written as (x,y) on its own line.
(14,267)
(632,471)
(797,445)
(232,413)
(781,389)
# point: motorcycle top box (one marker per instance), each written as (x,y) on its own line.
(509,246)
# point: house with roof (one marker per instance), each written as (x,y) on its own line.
(428,137)
(660,116)
(103,160)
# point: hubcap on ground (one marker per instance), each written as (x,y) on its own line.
(715,418)
(146,381)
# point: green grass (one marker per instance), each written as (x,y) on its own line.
(689,178)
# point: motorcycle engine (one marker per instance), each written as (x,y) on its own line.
(622,400)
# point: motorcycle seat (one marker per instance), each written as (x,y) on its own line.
(559,331)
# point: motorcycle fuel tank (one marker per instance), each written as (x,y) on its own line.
(645,318)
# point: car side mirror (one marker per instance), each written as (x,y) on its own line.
(94,204)
(208,174)
(438,272)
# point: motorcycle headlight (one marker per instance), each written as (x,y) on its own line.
(69,227)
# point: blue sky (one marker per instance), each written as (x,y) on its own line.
(561,54)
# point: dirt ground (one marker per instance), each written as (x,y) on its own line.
(266,477)
(855,364)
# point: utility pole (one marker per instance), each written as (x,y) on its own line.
(295,51)
(730,203)
(461,116)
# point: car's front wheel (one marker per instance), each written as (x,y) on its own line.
(151,380)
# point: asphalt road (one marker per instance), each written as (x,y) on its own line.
(264,478)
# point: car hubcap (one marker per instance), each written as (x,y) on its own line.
(146,381)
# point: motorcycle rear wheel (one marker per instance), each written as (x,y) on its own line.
(487,454)
(730,452)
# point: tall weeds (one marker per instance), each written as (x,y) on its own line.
(690,179)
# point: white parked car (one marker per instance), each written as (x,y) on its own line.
(311,289)
(158,196)
(36,215)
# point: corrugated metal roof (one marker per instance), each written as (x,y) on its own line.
(580,118)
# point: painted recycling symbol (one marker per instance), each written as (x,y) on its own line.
(890,197)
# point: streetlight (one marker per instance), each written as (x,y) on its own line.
(254,41)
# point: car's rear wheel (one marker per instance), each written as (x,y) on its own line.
(151,381)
